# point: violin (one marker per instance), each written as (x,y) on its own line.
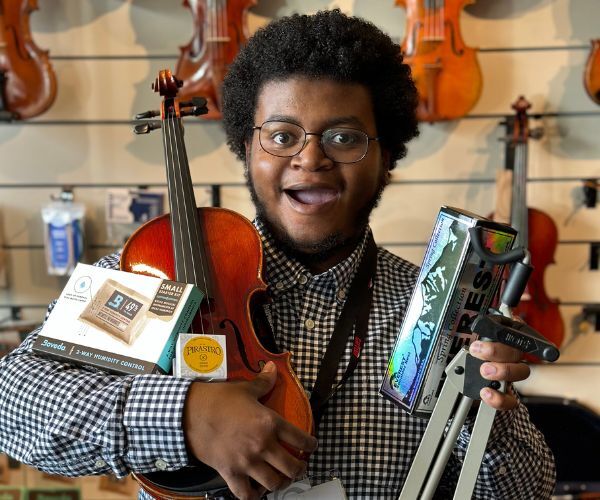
(27,80)
(220,30)
(592,72)
(536,230)
(220,252)
(446,71)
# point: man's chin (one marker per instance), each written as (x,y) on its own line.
(310,251)
(304,247)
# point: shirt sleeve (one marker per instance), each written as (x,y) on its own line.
(71,420)
(517,462)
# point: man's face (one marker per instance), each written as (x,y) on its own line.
(311,204)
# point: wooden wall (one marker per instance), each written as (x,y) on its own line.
(106,53)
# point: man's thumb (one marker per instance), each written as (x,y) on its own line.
(265,380)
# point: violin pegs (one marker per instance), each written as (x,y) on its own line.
(146,128)
(195,111)
(199,102)
(536,133)
(147,114)
(198,105)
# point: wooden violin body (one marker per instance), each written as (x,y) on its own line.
(231,244)
(27,81)
(446,71)
(536,308)
(592,72)
(536,231)
(220,30)
(220,252)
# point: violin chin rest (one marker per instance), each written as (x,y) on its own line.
(194,480)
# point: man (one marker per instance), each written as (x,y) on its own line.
(319,108)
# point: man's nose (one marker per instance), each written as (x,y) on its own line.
(312,156)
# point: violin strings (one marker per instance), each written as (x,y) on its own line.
(441,17)
(224,34)
(181,271)
(193,243)
(194,239)
(434,22)
(524,211)
(519,204)
(172,194)
(428,20)
(210,35)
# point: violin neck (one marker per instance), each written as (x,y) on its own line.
(519,211)
(188,242)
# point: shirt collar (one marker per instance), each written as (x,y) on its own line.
(283,272)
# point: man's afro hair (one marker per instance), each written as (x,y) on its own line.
(329,45)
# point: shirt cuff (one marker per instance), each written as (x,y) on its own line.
(153,423)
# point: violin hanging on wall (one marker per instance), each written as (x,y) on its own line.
(446,71)
(536,230)
(220,252)
(592,72)
(220,30)
(27,80)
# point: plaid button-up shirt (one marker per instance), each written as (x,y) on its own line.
(76,421)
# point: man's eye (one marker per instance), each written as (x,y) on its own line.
(343,138)
(282,138)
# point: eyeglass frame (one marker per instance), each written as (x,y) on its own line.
(306,134)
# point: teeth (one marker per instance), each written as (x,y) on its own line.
(313,196)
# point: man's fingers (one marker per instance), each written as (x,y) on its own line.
(240,486)
(288,465)
(495,351)
(264,381)
(498,400)
(269,478)
(511,372)
(291,435)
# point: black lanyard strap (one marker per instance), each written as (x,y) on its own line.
(354,317)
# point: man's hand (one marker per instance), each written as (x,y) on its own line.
(227,428)
(503,363)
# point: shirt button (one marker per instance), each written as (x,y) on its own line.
(302,279)
(279,285)
(341,294)
(501,470)
(309,324)
(100,463)
(161,464)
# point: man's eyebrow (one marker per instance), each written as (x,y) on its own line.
(349,120)
(283,118)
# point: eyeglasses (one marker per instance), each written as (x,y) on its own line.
(339,144)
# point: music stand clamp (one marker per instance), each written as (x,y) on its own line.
(464,382)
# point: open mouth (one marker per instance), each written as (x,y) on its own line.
(317,196)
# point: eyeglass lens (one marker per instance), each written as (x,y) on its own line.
(340,144)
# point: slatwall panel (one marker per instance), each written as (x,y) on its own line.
(107,53)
